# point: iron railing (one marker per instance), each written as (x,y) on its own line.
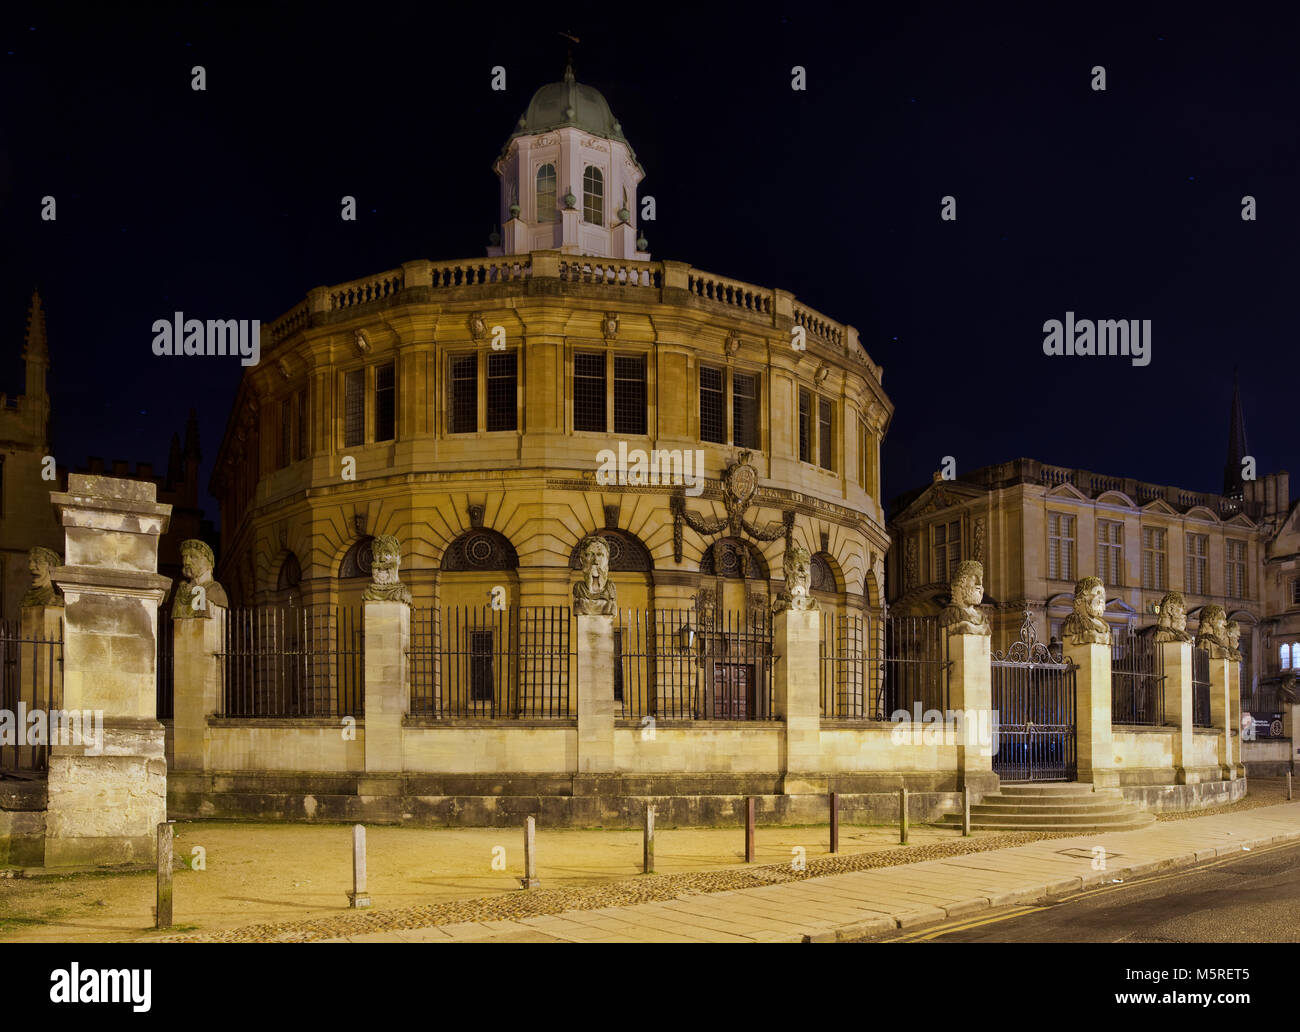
(1137,680)
(851,682)
(913,669)
(165,672)
(680,664)
(491,663)
(293,661)
(31,679)
(1200,688)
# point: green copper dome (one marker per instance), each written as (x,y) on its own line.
(569,103)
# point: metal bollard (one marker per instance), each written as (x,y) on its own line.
(835,822)
(358,898)
(749,830)
(965,811)
(163,915)
(529,880)
(648,846)
(902,816)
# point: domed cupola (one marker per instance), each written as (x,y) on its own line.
(569,177)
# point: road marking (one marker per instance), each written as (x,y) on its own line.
(959,925)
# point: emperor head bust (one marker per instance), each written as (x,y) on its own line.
(796,595)
(385,560)
(595,594)
(964,615)
(198,590)
(1212,634)
(1086,626)
(1171,625)
(40,564)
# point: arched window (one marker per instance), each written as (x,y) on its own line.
(593,196)
(546,210)
(822,577)
(732,558)
(357,562)
(290,573)
(480,549)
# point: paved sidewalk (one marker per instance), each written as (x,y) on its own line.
(846,906)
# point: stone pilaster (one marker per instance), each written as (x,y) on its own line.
(1096,750)
(107,798)
(388,682)
(970,691)
(595,694)
(197,686)
(1176,659)
(796,696)
(1234,717)
(1221,709)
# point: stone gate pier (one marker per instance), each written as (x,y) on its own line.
(105,800)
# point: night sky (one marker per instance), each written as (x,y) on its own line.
(1117,205)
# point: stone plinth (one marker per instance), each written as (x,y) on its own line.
(1221,714)
(595,694)
(1176,657)
(1096,749)
(40,675)
(1234,718)
(105,804)
(197,686)
(388,683)
(796,696)
(970,689)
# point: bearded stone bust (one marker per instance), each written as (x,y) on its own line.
(1234,639)
(964,615)
(385,561)
(796,596)
(1086,626)
(41,562)
(595,594)
(1171,624)
(1212,634)
(198,590)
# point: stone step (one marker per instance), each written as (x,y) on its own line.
(995,804)
(1139,820)
(1053,789)
(1070,820)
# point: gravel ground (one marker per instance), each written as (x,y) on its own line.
(653,888)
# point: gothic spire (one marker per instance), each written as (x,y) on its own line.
(1237,446)
(36,346)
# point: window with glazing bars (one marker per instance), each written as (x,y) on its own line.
(629,394)
(1295,584)
(546,210)
(744,410)
(385,403)
(1236,568)
(593,196)
(502,393)
(1195,564)
(805,426)
(462,405)
(354,406)
(302,424)
(1110,552)
(713,406)
(1060,546)
(1153,559)
(947,549)
(825,434)
(589,392)
(286,434)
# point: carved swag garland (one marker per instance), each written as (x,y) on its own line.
(739,483)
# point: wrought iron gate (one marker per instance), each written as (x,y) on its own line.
(1034,712)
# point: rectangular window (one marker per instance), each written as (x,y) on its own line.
(629,394)
(825,434)
(947,550)
(1195,564)
(385,403)
(480,666)
(302,424)
(1060,546)
(805,426)
(285,455)
(1295,584)
(502,392)
(354,404)
(713,406)
(1110,552)
(1236,568)
(462,406)
(589,392)
(744,410)
(1153,559)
